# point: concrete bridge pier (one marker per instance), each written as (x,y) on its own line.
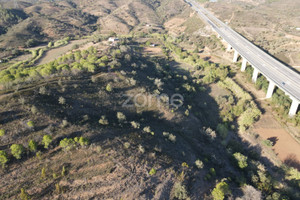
(255,75)
(236,56)
(229,47)
(270,89)
(294,107)
(244,64)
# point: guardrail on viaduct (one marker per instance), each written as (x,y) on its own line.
(276,73)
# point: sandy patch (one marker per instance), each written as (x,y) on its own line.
(153,50)
(285,146)
(175,25)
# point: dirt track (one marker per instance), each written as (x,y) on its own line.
(55,53)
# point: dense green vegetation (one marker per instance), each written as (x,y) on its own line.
(280,101)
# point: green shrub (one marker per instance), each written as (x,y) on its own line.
(179,191)
(135,125)
(248,117)
(17,150)
(47,139)
(222,130)
(34,110)
(39,155)
(67,144)
(152,172)
(220,191)
(3,158)
(207,177)
(43,173)
(2,132)
(103,120)
(147,129)
(50,44)
(121,117)
(126,145)
(212,171)
(64,123)
(235,88)
(172,138)
(108,88)
(83,141)
(268,143)
(32,145)
(293,174)
(187,112)
(141,149)
(241,160)
(58,189)
(184,164)
(63,171)
(30,124)
(166,134)
(61,100)
(199,164)
(24,195)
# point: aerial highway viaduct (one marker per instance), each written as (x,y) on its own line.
(278,74)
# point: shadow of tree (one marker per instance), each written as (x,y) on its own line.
(273,140)
(292,161)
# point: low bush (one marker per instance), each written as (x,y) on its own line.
(135,125)
(32,146)
(30,124)
(17,150)
(24,195)
(152,172)
(47,139)
(82,141)
(121,117)
(103,120)
(248,117)
(220,191)
(2,132)
(109,88)
(199,164)
(179,191)
(67,144)
(241,160)
(3,158)
(172,138)
(222,130)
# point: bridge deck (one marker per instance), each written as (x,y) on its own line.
(284,77)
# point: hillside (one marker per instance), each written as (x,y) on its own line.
(46,21)
(130,100)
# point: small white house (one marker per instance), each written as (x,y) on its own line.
(113,39)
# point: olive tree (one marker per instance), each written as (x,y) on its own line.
(17,150)
(47,139)
(3,158)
